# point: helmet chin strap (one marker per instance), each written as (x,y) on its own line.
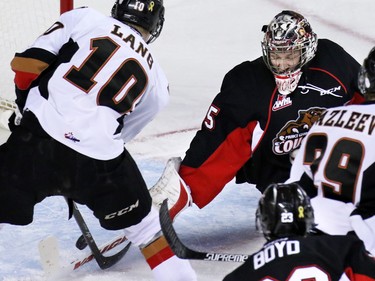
(286,84)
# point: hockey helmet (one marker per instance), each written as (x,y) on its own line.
(366,76)
(288,31)
(148,14)
(284,210)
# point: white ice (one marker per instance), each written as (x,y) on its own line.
(200,42)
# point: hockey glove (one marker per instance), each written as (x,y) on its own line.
(171,186)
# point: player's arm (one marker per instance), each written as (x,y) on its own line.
(223,144)
(32,62)
(28,66)
(184,185)
(207,174)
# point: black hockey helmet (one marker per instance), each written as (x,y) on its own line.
(148,14)
(366,76)
(284,210)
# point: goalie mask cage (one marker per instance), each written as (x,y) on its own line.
(21,22)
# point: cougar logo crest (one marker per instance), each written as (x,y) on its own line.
(290,136)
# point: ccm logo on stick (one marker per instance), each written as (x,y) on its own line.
(123,211)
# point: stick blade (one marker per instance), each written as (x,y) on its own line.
(107,262)
(49,255)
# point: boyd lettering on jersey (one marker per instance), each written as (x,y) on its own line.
(356,121)
(276,249)
(138,47)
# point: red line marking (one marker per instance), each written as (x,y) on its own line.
(158,135)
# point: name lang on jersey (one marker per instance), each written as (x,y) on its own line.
(137,46)
(352,120)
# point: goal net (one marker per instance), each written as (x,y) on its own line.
(21,22)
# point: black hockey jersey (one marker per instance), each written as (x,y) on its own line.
(312,258)
(250,130)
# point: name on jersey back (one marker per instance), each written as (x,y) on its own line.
(135,44)
(351,120)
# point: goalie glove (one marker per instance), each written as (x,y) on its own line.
(172,187)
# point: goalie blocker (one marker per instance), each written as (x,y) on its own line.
(170,186)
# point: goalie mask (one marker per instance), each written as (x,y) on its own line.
(288,44)
(284,210)
(148,14)
(366,76)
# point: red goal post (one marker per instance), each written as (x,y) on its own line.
(66,5)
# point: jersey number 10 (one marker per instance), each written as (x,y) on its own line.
(123,88)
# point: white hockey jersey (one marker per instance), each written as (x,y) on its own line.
(102,88)
(338,156)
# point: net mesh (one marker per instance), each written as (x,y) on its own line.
(21,22)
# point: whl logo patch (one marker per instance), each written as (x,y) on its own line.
(281,102)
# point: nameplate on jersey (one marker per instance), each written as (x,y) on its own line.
(134,43)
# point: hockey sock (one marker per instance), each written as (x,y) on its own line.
(157,252)
(165,265)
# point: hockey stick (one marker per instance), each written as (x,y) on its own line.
(50,256)
(183,251)
(103,249)
(103,261)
